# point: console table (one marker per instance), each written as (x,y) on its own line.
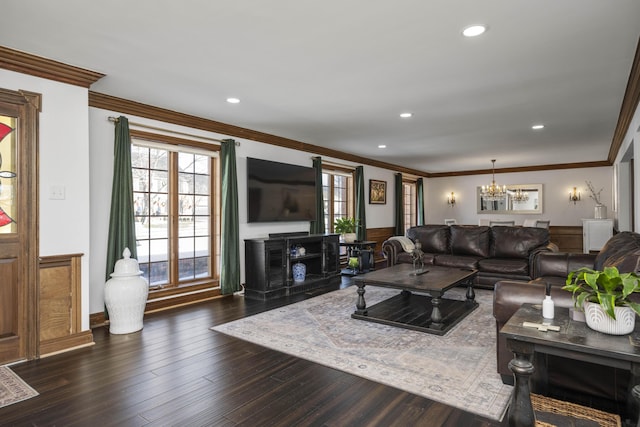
(363,250)
(269,263)
(574,340)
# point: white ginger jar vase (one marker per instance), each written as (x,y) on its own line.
(125,296)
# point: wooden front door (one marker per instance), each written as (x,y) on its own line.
(18,225)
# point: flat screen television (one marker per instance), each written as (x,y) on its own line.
(280,191)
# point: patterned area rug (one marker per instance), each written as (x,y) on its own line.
(458,369)
(12,388)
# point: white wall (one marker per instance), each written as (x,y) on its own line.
(101,164)
(556,185)
(630,146)
(64,161)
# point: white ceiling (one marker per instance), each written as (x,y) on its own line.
(338,73)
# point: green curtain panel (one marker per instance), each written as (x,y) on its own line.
(361,230)
(317,226)
(122,231)
(230,231)
(420,190)
(399,229)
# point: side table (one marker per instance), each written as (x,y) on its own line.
(574,340)
(364,251)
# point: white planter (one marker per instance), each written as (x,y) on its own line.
(600,321)
(600,211)
(125,296)
(349,237)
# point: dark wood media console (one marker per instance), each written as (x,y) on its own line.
(269,262)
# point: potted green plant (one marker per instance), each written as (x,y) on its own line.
(604,295)
(346,226)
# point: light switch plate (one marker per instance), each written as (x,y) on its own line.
(56,192)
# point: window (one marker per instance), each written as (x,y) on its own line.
(8,173)
(410,202)
(174,199)
(337,192)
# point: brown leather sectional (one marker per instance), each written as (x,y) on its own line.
(498,253)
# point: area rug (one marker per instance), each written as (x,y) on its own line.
(458,369)
(12,388)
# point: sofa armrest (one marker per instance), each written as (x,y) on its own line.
(509,295)
(390,251)
(533,255)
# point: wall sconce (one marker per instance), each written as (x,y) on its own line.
(451,199)
(574,196)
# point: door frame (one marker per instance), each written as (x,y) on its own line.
(27,106)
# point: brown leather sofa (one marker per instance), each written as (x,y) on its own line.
(605,385)
(498,253)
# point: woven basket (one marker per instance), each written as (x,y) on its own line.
(559,407)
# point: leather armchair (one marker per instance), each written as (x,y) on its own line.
(604,385)
(574,380)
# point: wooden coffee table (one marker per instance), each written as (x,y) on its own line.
(410,308)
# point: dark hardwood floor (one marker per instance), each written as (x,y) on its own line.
(177,372)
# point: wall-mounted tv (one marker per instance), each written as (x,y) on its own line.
(280,191)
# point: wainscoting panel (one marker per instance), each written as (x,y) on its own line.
(568,238)
(60,305)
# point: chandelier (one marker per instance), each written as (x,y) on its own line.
(493,192)
(520,196)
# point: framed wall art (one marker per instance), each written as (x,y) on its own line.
(377,192)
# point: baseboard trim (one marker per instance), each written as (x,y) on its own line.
(97,320)
(67,343)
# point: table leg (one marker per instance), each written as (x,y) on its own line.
(436,314)
(471,293)
(635,393)
(633,401)
(520,410)
(361,305)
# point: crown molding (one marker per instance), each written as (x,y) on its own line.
(538,168)
(38,66)
(125,106)
(629,105)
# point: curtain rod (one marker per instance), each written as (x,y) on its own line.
(330,163)
(350,167)
(115,120)
(410,176)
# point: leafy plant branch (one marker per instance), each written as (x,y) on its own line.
(595,195)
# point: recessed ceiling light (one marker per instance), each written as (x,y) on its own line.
(233,100)
(537,127)
(474,30)
(382,146)
(406,115)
